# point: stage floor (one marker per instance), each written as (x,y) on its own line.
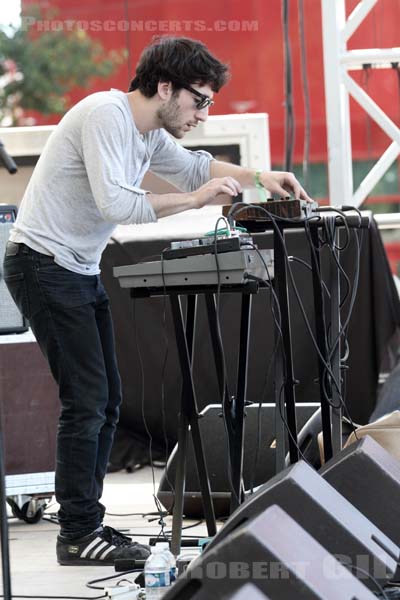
(34,569)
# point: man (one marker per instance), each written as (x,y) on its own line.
(86,182)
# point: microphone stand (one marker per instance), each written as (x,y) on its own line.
(5,548)
(7,160)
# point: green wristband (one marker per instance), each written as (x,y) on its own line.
(262,192)
(257,180)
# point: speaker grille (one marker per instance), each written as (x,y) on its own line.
(11,320)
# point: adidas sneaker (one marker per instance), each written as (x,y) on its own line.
(102,547)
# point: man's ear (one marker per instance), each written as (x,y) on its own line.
(164,90)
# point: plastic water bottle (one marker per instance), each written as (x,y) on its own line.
(156,574)
(171,559)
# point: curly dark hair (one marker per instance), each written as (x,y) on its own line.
(181,61)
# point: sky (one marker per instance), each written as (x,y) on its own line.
(10,12)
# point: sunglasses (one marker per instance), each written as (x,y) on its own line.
(203,102)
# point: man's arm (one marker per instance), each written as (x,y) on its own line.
(170,204)
(276,182)
(230,179)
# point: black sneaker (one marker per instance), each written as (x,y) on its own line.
(102,547)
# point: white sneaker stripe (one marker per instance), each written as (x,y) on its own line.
(102,557)
(98,549)
(88,548)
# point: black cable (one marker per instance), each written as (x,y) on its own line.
(366,78)
(309,267)
(274,304)
(225,391)
(253,473)
(91,584)
(280,395)
(330,224)
(150,437)
(294,440)
(122,248)
(233,211)
(163,411)
(396,66)
(280,405)
(273,220)
(306,95)
(289,112)
(128,42)
(37,597)
(332,346)
(163,371)
(196,524)
(330,241)
(346,323)
(334,248)
(370,577)
(337,247)
(138,514)
(352,296)
(184,537)
(240,207)
(4,534)
(53,521)
(341,332)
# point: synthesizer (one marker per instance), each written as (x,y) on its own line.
(285,209)
(234,268)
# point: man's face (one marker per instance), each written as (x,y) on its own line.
(180,113)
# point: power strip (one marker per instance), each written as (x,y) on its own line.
(130,591)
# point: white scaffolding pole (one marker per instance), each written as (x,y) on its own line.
(357,17)
(375,174)
(337,104)
(338,85)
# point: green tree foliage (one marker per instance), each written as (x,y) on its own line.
(38,68)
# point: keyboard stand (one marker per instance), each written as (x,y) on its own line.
(234,408)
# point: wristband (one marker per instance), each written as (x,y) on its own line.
(257,180)
(262,192)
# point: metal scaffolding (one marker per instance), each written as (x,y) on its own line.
(338,61)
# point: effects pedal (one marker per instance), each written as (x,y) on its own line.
(207,245)
(286,209)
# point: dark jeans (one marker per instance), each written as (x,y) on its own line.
(70,316)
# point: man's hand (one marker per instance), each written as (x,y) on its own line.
(277,182)
(210,190)
(282,183)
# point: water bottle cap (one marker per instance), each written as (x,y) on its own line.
(163,545)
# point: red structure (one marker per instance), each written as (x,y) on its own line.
(247,35)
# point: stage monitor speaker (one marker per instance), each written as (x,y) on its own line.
(326,515)
(278,557)
(11,320)
(216,452)
(248,591)
(369,477)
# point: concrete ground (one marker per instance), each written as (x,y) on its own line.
(35,572)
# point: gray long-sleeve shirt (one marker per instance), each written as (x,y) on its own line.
(88,179)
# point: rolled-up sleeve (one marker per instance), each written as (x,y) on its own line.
(103,143)
(186,169)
